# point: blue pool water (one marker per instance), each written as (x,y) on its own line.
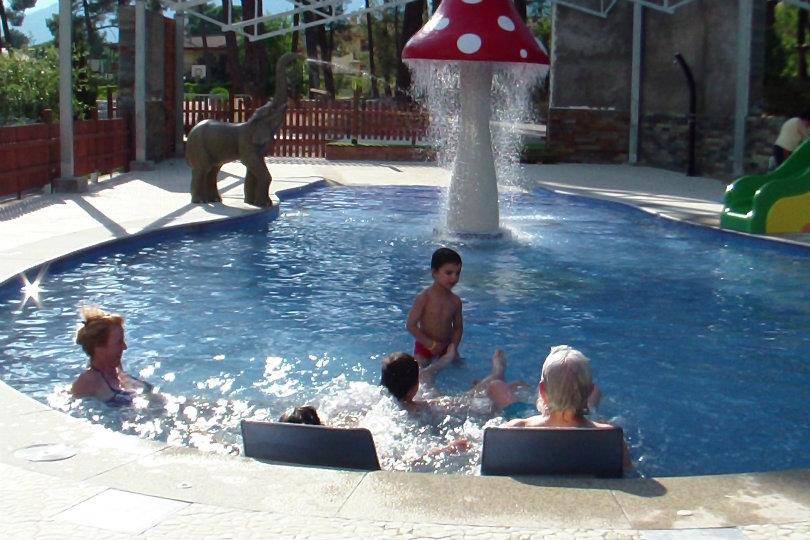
(698,339)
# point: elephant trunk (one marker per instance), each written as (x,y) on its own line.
(281,76)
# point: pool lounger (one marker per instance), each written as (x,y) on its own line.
(301,444)
(552,451)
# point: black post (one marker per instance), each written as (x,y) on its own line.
(691,170)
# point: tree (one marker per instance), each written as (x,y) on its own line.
(386,47)
(13,15)
(255,52)
(411,23)
(232,47)
(371,67)
(96,15)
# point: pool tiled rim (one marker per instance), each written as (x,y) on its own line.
(181,493)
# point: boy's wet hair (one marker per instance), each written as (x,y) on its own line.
(399,374)
(443,256)
(302,415)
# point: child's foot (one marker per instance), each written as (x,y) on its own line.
(498,364)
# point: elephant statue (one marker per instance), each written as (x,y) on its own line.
(211,144)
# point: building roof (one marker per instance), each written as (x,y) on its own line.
(215,41)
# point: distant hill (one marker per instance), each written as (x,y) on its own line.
(35,28)
(34,23)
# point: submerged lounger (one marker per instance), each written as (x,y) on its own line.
(302,444)
(553,451)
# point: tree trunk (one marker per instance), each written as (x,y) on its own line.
(255,53)
(411,23)
(397,42)
(801,45)
(206,51)
(88,28)
(326,56)
(294,47)
(311,38)
(770,13)
(375,93)
(521,8)
(6,32)
(232,56)
(261,53)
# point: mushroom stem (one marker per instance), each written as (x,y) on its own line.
(472,203)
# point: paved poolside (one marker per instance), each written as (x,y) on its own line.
(118,486)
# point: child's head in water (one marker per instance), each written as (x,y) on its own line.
(301,415)
(400,375)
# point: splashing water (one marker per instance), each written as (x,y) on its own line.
(436,85)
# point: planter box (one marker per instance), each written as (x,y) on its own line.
(379,152)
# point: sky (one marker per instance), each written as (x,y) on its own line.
(270,6)
(34,22)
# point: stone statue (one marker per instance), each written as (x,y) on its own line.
(211,144)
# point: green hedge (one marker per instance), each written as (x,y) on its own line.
(29,83)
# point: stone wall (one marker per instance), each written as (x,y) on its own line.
(761,132)
(591,59)
(665,140)
(589,135)
(591,69)
(158,141)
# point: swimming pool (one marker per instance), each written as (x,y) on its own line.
(698,339)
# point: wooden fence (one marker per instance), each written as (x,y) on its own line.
(29,155)
(309,125)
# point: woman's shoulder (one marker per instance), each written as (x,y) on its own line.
(86,384)
(598,425)
(538,420)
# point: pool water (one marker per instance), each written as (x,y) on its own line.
(699,340)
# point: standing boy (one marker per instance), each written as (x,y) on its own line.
(435,319)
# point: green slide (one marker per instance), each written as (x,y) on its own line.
(772,203)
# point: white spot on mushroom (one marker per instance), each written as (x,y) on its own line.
(506,23)
(524,53)
(436,23)
(471,1)
(469,43)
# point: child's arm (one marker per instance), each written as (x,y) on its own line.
(458,325)
(412,324)
(428,374)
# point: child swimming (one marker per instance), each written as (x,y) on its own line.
(435,320)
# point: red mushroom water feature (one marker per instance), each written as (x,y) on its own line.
(479,36)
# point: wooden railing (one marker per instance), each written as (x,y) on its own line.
(309,125)
(29,155)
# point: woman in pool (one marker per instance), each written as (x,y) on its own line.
(565,395)
(102,338)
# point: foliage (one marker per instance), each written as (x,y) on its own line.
(784,91)
(14,12)
(785,41)
(105,89)
(85,82)
(220,91)
(29,83)
(88,18)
